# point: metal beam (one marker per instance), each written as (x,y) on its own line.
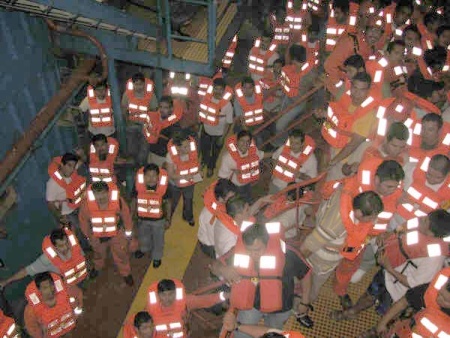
(116,99)
(107,14)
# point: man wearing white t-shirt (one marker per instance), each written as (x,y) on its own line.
(56,198)
(211,140)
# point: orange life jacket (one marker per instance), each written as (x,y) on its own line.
(432,321)
(75,190)
(312,49)
(257,60)
(253,113)
(281,31)
(428,38)
(138,106)
(216,208)
(204,82)
(229,54)
(292,334)
(247,165)
(231,224)
(129,331)
(103,170)
(374,152)
(335,30)
(184,168)
(179,84)
(210,112)
(271,266)
(154,125)
(282,204)
(104,222)
(168,321)
(381,72)
(295,17)
(8,327)
(366,176)
(149,202)
(338,127)
(415,128)
(73,270)
(290,77)
(58,320)
(423,199)
(414,245)
(287,165)
(100,114)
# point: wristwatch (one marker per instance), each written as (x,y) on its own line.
(238,325)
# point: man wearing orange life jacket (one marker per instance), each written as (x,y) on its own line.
(431,302)
(248,103)
(264,290)
(262,56)
(229,54)
(364,44)
(141,325)
(227,227)
(65,190)
(270,84)
(184,172)
(102,156)
(168,305)
(8,328)
(383,177)
(240,163)
(298,17)
(427,189)
(398,20)
(428,28)
(351,121)
(216,114)
(137,100)
(103,215)
(388,72)
(152,206)
(297,79)
(280,27)
(353,65)
(98,104)
(214,200)
(61,255)
(409,258)
(52,308)
(310,39)
(295,161)
(160,127)
(326,245)
(341,19)
(433,64)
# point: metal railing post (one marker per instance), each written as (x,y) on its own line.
(168,29)
(212,23)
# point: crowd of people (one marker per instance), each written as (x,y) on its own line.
(366,183)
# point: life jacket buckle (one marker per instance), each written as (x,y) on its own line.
(254,280)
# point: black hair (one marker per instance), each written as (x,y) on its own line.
(179,137)
(99,137)
(369,203)
(167,99)
(247,79)
(166,285)
(69,157)
(138,77)
(355,61)
(404,3)
(412,28)
(297,133)
(57,235)
(442,29)
(235,205)
(151,167)
(439,223)
(272,335)
(431,18)
(279,60)
(440,163)
(223,187)
(433,117)
(390,170)
(244,133)
(343,5)
(436,57)
(254,232)
(99,186)
(142,318)
(398,131)
(39,278)
(363,77)
(297,53)
(101,84)
(219,82)
(394,43)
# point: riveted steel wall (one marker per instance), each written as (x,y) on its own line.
(29,77)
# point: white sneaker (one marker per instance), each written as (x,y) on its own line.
(357,276)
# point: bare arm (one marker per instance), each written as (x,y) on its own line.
(392,313)
(354,143)
(21,274)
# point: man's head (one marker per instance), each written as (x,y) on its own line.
(278,64)
(248,86)
(101,192)
(181,141)
(403,12)
(395,52)
(46,287)
(297,54)
(255,239)
(238,209)
(367,206)
(443,36)
(438,169)
(166,106)
(138,80)
(100,90)
(360,88)
(388,176)
(432,20)
(68,164)
(60,241)
(435,58)
(219,86)
(427,89)
(244,140)
(431,130)
(296,140)
(353,65)
(266,39)
(151,175)
(411,36)
(396,139)
(436,224)
(443,296)
(100,143)
(167,292)
(143,323)
(374,30)
(224,190)
(341,10)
